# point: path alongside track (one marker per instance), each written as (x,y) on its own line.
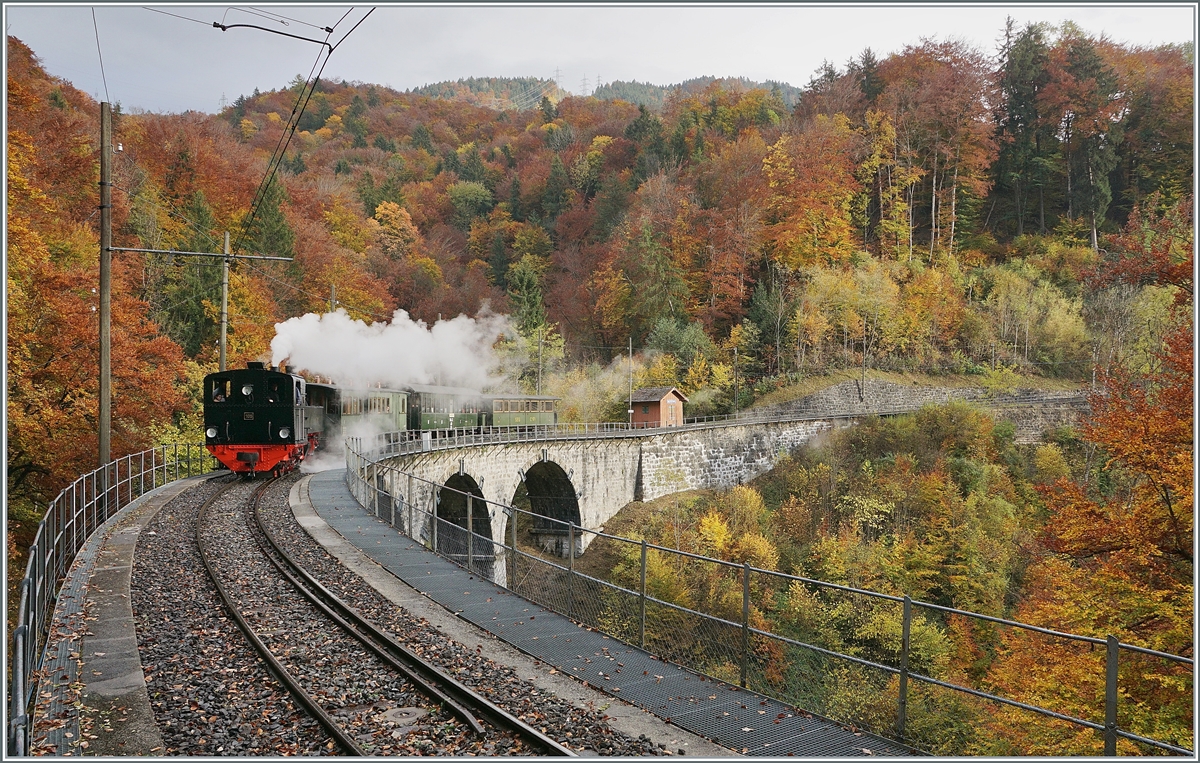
(737,719)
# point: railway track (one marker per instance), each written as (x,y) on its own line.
(369,693)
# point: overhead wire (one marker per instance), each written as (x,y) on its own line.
(176,15)
(103,77)
(285,139)
(191,223)
(293,123)
(267,14)
(320,297)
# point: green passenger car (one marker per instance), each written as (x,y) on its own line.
(521,411)
(443,407)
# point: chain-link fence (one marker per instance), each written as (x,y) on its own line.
(72,517)
(780,635)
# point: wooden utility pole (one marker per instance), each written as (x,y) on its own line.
(105,433)
(224,301)
(736,391)
(631,381)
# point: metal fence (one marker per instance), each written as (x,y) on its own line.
(722,631)
(70,520)
(414,441)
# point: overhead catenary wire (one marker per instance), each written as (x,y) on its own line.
(285,19)
(272,17)
(281,146)
(103,77)
(176,15)
(320,297)
(293,122)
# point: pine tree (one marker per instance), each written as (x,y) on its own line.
(556,188)
(1025,140)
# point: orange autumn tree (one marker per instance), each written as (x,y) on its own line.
(1117,555)
(810,177)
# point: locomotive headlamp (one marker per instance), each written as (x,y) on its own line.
(247,389)
(211,431)
(283,433)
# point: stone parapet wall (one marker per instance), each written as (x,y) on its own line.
(1033,411)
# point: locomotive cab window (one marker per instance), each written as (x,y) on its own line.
(220,390)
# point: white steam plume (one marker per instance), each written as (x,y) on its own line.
(453,353)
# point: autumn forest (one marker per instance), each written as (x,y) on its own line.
(1020,216)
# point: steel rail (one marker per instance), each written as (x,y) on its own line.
(432,679)
(293,686)
(288,568)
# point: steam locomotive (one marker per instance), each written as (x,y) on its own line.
(266,420)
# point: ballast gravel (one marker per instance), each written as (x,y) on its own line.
(212,695)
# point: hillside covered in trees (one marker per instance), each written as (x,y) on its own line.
(941,209)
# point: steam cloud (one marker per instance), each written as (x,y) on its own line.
(453,353)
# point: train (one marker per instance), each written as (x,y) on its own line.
(264,419)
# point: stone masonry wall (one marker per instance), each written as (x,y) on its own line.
(1032,411)
(720,457)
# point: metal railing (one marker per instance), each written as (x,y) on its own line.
(70,520)
(719,634)
(406,442)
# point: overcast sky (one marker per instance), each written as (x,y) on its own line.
(157,62)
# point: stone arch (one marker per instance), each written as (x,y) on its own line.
(452,530)
(554,504)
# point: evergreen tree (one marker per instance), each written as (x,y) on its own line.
(870,82)
(422,138)
(450,162)
(269,232)
(1093,135)
(647,132)
(556,188)
(661,290)
(514,199)
(188,282)
(498,261)
(472,167)
(525,293)
(1026,142)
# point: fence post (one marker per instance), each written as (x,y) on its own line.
(374,489)
(570,569)
(408,500)
(512,581)
(434,508)
(642,617)
(1110,696)
(745,620)
(470,533)
(905,644)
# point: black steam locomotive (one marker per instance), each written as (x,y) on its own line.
(266,420)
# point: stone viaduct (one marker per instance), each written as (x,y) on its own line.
(584,477)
